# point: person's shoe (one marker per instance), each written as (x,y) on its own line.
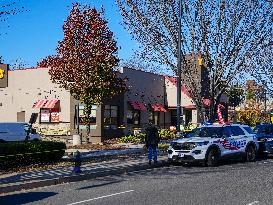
(155,162)
(150,162)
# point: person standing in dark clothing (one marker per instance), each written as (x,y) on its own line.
(152,140)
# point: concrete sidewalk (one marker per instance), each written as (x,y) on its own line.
(29,180)
(105,153)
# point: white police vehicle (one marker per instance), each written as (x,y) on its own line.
(210,143)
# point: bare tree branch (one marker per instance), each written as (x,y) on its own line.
(227,33)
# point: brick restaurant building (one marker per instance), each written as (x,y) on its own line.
(151,97)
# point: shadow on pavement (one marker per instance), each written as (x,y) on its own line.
(35,175)
(24,198)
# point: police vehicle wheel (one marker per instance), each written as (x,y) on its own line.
(250,155)
(213,158)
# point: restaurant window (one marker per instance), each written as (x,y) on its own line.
(93,117)
(154,117)
(133,116)
(111,116)
(173,117)
(49,115)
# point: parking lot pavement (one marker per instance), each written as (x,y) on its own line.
(231,183)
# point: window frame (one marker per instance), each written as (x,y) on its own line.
(111,124)
(134,114)
(153,114)
(81,108)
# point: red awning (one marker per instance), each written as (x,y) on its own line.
(158,107)
(39,104)
(51,103)
(137,105)
(45,103)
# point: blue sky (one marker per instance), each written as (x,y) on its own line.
(33,35)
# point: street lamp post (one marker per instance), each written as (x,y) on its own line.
(178,112)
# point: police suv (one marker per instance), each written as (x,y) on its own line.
(210,143)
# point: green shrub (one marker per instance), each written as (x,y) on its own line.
(163,146)
(163,134)
(166,134)
(16,154)
(132,138)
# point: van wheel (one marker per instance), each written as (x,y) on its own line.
(250,154)
(212,158)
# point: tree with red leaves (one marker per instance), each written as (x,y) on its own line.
(86,58)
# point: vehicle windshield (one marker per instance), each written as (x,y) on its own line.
(249,130)
(213,132)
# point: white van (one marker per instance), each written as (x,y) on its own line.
(17,131)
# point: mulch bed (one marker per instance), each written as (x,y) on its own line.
(91,147)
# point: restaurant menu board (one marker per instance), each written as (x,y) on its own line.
(55,117)
(45,115)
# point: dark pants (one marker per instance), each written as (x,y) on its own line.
(152,151)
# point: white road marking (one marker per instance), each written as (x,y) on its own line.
(101,197)
(254,202)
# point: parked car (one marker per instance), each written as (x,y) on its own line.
(210,143)
(264,134)
(17,131)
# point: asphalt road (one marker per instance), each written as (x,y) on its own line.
(232,184)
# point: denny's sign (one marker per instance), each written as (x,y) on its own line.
(3,75)
(2,72)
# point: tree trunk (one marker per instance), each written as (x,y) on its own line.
(87,113)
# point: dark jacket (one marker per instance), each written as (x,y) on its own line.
(152,136)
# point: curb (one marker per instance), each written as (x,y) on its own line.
(80,177)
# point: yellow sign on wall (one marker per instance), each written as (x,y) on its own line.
(2,72)
(200,61)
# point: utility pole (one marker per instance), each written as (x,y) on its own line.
(178,111)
